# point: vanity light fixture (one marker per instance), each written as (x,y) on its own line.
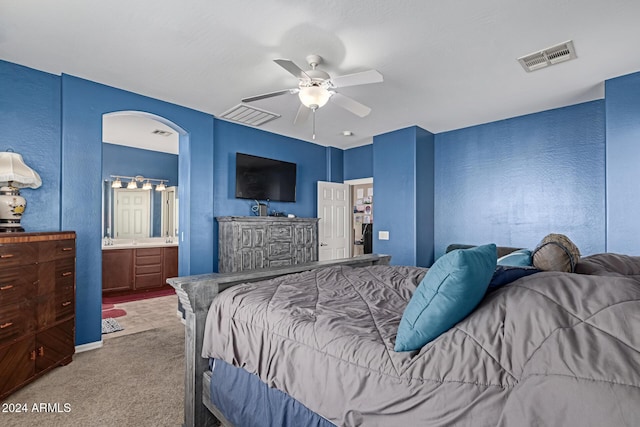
(116,183)
(134,180)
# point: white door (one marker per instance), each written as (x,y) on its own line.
(334,227)
(169,212)
(131,215)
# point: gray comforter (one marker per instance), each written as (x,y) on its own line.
(554,349)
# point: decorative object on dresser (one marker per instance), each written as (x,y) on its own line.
(248,243)
(37,305)
(14,174)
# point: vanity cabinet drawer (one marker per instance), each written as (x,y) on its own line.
(148,269)
(149,260)
(17,254)
(148,252)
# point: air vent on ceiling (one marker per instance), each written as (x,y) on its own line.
(549,56)
(248,115)
(161,132)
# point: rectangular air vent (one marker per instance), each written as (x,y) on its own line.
(549,56)
(161,132)
(248,115)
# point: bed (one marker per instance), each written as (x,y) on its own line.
(551,348)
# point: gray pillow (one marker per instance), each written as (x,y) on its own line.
(556,252)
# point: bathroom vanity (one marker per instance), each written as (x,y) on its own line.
(132,266)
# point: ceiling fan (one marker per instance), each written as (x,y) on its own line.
(316,88)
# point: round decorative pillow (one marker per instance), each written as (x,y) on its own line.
(556,252)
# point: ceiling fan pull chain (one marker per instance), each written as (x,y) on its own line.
(313,135)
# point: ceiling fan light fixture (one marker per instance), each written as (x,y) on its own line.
(314,96)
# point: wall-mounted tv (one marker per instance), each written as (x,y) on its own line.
(259,178)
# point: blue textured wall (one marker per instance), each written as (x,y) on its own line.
(358,162)
(84,103)
(129,161)
(335,165)
(30,126)
(514,181)
(232,138)
(623,164)
(425,197)
(402,163)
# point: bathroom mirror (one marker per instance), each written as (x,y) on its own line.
(138,213)
(142,151)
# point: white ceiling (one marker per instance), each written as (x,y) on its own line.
(446,64)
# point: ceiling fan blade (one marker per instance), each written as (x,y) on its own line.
(350,104)
(269,95)
(302,115)
(363,78)
(291,67)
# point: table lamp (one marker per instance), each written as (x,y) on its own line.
(14,174)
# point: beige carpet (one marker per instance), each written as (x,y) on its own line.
(133,380)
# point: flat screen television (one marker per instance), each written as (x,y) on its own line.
(259,178)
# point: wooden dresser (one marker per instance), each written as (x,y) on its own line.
(251,242)
(37,305)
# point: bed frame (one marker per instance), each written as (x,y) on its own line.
(196,294)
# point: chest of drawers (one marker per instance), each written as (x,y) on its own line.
(37,305)
(248,243)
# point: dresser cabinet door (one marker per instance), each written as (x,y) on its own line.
(17,364)
(55,345)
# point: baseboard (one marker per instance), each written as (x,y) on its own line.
(89,346)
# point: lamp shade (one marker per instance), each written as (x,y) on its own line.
(14,172)
(314,96)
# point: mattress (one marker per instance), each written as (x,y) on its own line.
(551,348)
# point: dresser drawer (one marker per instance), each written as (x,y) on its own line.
(279,250)
(13,254)
(280,232)
(57,249)
(65,304)
(65,271)
(15,321)
(17,284)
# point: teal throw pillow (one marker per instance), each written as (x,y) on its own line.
(451,289)
(519,258)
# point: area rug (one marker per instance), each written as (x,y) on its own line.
(113,312)
(110,325)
